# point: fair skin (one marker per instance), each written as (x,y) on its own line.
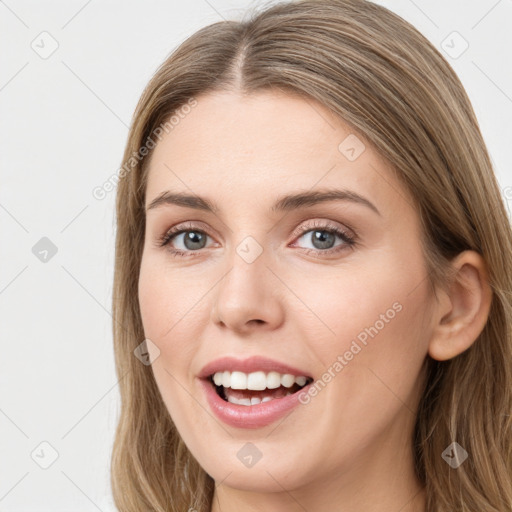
(349,448)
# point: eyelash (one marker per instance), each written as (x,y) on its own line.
(349,241)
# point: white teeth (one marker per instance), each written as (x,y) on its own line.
(287,380)
(300,380)
(239,401)
(253,400)
(257,381)
(273,380)
(238,380)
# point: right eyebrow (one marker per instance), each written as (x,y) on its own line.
(185,200)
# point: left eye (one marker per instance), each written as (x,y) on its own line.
(324,239)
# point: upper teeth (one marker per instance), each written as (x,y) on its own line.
(256,380)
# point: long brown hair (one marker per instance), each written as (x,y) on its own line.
(388,82)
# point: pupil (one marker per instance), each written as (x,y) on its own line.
(321,237)
(194,238)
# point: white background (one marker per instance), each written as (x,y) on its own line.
(64,122)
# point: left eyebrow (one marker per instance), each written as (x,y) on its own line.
(305,199)
(284,203)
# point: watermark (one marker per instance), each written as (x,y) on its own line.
(249,249)
(454,455)
(348,355)
(454,45)
(45,45)
(147,352)
(44,250)
(44,455)
(101,191)
(249,455)
(352,147)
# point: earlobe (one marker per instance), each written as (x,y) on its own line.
(463,309)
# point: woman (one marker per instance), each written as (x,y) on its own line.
(314,274)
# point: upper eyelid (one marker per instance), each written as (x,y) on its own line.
(299,231)
(303,226)
(324,225)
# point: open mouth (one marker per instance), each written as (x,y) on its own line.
(242,389)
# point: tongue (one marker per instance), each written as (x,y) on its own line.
(248,393)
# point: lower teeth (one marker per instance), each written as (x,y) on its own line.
(253,400)
(246,401)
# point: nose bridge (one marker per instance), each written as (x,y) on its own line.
(245,293)
(248,273)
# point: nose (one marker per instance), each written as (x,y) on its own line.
(248,297)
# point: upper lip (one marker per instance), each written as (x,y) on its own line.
(251,364)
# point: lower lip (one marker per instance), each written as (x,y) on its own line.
(249,416)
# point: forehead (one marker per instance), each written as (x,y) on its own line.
(230,146)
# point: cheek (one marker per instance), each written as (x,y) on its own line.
(370,347)
(164,298)
(368,324)
(382,343)
(165,306)
(381,316)
(173,305)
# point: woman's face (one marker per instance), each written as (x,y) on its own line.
(271,279)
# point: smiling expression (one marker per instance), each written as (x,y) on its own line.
(267,237)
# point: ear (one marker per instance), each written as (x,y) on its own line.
(461,311)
